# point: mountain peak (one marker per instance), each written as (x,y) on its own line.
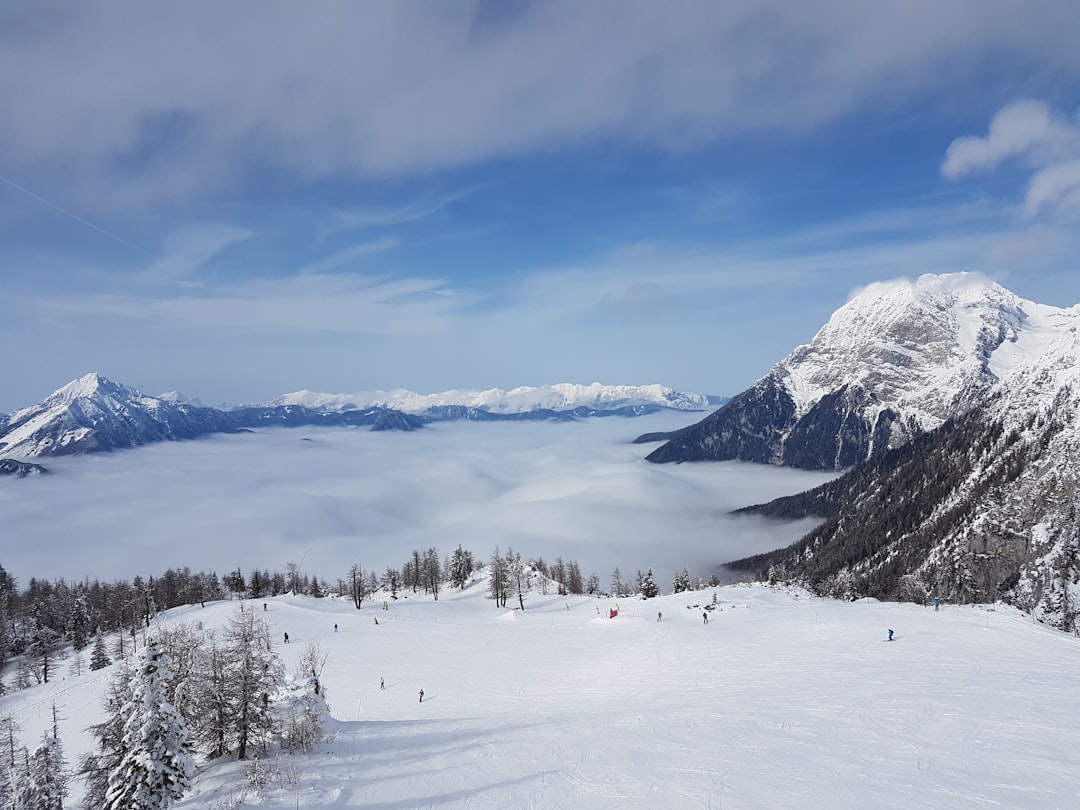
(92,386)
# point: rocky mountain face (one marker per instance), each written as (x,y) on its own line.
(898,360)
(983,507)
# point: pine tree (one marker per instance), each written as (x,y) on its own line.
(648,586)
(95,767)
(99,657)
(46,782)
(252,675)
(157,766)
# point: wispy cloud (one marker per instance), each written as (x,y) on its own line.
(346,257)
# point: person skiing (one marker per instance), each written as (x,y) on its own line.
(705,617)
(376,618)
(421,695)
(890,634)
(382,683)
(335,627)
(286,638)
(659,616)
(937,604)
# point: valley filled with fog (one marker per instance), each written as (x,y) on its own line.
(330,497)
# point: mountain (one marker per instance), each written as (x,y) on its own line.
(94,413)
(558,398)
(19,469)
(982,508)
(896,361)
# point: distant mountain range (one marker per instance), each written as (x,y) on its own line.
(955,404)
(94,414)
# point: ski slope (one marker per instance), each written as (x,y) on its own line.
(780,701)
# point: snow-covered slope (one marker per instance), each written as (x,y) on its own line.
(897,360)
(558,397)
(780,701)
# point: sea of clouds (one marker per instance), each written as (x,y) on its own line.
(330,497)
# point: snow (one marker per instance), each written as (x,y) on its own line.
(780,701)
(561,396)
(927,348)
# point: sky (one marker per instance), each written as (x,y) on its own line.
(240,200)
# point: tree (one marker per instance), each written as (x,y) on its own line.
(648,586)
(12,763)
(252,675)
(356,584)
(99,657)
(500,578)
(157,766)
(95,766)
(460,567)
(682,581)
(46,782)
(517,575)
(616,583)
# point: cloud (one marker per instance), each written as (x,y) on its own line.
(1056,186)
(576,490)
(166,102)
(188,251)
(1024,128)
(350,255)
(1046,142)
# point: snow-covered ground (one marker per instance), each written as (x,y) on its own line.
(780,701)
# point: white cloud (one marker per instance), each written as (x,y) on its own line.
(579,490)
(1056,186)
(162,102)
(1046,142)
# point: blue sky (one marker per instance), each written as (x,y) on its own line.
(238,200)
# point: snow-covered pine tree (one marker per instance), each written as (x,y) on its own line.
(99,656)
(12,763)
(46,782)
(648,586)
(94,767)
(157,766)
(80,619)
(682,581)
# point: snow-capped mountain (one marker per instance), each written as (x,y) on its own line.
(558,397)
(981,508)
(94,413)
(896,361)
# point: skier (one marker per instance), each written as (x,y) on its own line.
(264,607)
(376,618)
(286,638)
(335,628)
(421,695)
(937,604)
(890,634)
(705,617)
(659,616)
(382,683)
